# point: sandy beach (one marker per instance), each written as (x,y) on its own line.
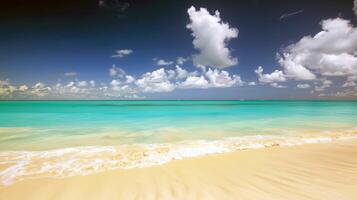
(311,171)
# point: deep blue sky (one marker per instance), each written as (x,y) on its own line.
(41,40)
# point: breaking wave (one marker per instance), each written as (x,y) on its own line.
(73,161)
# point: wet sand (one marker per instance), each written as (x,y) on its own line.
(311,171)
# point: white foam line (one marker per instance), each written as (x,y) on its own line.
(74,161)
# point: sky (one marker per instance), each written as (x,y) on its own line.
(166,49)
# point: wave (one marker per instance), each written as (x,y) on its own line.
(73,161)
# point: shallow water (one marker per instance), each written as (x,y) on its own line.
(41,125)
(67,138)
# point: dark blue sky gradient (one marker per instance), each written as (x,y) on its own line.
(41,40)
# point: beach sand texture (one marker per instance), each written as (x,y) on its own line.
(311,171)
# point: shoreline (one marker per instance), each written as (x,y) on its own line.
(309,171)
(86,160)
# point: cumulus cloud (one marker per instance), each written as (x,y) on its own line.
(124,86)
(210,38)
(331,52)
(122,53)
(23,88)
(155,81)
(6,88)
(181,60)
(303,86)
(272,79)
(194,82)
(129,79)
(181,73)
(163,80)
(116,72)
(213,78)
(222,78)
(276,76)
(40,89)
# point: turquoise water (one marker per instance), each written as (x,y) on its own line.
(68,138)
(38,125)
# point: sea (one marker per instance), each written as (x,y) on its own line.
(69,138)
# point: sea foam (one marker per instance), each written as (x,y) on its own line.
(67,162)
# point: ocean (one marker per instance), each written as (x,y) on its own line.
(69,138)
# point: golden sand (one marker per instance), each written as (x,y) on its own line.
(312,171)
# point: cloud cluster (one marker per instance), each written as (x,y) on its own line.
(122,53)
(276,76)
(273,78)
(125,86)
(331,52)
(155,81)
(115,71)
(210,38)
(9,90)
(163,80)
(6,88)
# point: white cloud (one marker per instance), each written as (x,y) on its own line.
(71,74)
(92,83)
(276,76)
(324,84)
(210,38)
(194,82)
(4,83)
(122,53)
(162,62)
(180,60)
(222,78)
(303,86)
(211,79)
(82,83)
(117,85)
(156,81)
(277,85)
(349,93)
(331,52)
(40,89)
(6,88)
(70,84)
(125,86)
(181,73)
(349,84)
(252,83)
(114,83)
(129,79)
(23,88)
(116,72)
